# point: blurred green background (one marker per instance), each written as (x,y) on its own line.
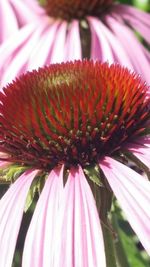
(142,4)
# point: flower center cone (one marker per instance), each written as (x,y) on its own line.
(71,113)
(74,9)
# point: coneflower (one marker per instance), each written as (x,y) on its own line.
(66,30)
(70,129)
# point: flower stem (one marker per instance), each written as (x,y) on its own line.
(109,247)
(103,198)
(120,253)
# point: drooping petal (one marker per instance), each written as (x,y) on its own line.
(142,153)
(139,26)
(140,149)
(26,11)
(15,14)
(80,241)
(73,42)
(104,53)
(96,51)
(126,10)
(117,50)
(17,63)
(125,36)
(11,212)
(8,21)
(133,194)
(10,48)
(57,54)
(65,229)
(44,46)
(40,240)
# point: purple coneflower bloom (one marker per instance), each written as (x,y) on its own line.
(59,126)
(14,14)
(68,30)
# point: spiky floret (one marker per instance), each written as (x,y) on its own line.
(72,113)
(74,8)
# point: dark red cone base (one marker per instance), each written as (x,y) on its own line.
(75,8)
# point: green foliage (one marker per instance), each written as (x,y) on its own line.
(141,4)
(36,188)
(126,243)
(93,174)
(11,173)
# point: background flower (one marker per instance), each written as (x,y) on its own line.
(57,32)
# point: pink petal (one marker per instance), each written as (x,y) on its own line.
(104,52)
(125,36)
(40,240)
(15,14)
(142,153)
(4,164)
(9,50)
(18,62)
(132,12)
(12,44)
(95,44)
(80,240)
(45,39)
(133,194)
(116,47)
(8,22)
(26,11)
(44,46)
(65,228)
(32,5)
(139,26)
(73,43)
(11,212)
(58,49)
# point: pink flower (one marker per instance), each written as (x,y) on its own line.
(58,32)
(59,125)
